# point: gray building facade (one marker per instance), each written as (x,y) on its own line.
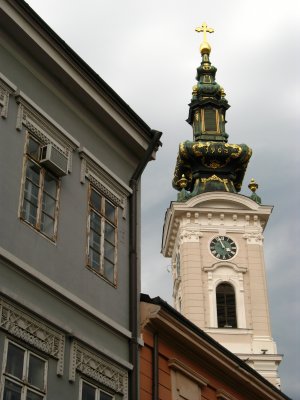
(72,153)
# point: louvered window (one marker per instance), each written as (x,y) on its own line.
(207,79)
(226,306)
(210,120)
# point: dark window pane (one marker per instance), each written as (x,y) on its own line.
(109,251)
(47,225)
(95,241)
(48,205)
(226,306)
(109,233)
(95,200)
(15,360)
(108,270)
(11,391)
(29,212)
(33,172)
(110,211)
(95,222)
(94,259)
(105,396)
(33,148)
(88,392)
(50,184)
(36,372)
(33,396)
(31,192)
(210,120)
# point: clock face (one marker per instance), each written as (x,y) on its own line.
(223,248)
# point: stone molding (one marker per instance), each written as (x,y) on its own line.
(254,238)
(237,268)
(98,368)
(189,235)
(44,128)
(177,365)
(6,89)
(33,331)
(103,179)
(148,312)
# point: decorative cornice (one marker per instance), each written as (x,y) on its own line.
(33,331)
(228,264)
(98,368)
(148,312)
(254,238)
(6,89)
(104,179)
(190,235)
(41,125)
(208,211)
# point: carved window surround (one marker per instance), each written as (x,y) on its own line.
(33,331)
(112,187)
(6,89)
(226,272)
(100,369)
(41,125)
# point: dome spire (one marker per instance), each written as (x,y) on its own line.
(205,46)
(209,162)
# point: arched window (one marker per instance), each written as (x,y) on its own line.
(226,306)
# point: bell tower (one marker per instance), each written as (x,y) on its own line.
(214,235)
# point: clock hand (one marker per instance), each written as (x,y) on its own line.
(222,243)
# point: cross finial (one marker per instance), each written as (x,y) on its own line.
(204,28)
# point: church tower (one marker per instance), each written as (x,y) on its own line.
(215,235)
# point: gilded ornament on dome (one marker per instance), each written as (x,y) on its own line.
(182,150)
(215,164)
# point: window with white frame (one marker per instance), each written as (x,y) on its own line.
(40,192)
(102,235)
(91,392)
(24,374)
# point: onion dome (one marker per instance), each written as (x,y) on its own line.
(209,163)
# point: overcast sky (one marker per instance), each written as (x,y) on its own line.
(148,52)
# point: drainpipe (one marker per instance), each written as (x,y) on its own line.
(155,367)
(134,295)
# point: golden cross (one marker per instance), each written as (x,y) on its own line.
(204,28)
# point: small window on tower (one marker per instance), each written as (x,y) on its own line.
(226,306)
(207,79)
(210,120)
